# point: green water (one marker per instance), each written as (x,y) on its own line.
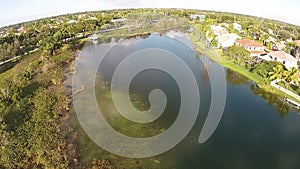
(257,130)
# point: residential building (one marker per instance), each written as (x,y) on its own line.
(271,32)
(218,30)
(227,40)
(196,16)
(71,21)
(237,26)
(280,56)
(255,48)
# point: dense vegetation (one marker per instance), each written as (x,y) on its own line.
(32,105)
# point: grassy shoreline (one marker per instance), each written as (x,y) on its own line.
(216,56)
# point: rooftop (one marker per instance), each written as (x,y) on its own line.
(249,42)
(257,52)
(283,55)
(218,29)
(228,36)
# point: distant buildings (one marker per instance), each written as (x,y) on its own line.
(195,16)
(255,48)
(237,26)
(280,56)
(71,21)
(21,29)
(271,32)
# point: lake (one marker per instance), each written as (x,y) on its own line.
(257,129)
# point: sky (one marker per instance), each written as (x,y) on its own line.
(16,11)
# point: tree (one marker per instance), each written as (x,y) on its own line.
(264,38)
(260,70)
(9,92)
(231,28)
(291,76)
(284,35)
(290,46)
(277,73)
(296,52)
(238,53)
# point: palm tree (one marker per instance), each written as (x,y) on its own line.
(291,76)
(277,73)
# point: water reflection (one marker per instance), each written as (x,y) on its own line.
(283,108)
(236,78)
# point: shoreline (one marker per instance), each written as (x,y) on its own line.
(216,56)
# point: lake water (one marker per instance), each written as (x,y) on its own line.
(257,129)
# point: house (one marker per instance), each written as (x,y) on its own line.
(237,26)
(271,31)
(255,48)
(71,21)
(196,16)
(218,30)
(280,56)
(227,40)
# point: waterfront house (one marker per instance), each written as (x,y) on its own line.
(255,48)
(280,56)
(227,40)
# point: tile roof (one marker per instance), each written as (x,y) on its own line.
(249,42)
(283,55)
(257,52)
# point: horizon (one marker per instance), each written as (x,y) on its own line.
(202,10)
(45,9)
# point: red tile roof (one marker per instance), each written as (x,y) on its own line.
(249,42)
(283,55)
